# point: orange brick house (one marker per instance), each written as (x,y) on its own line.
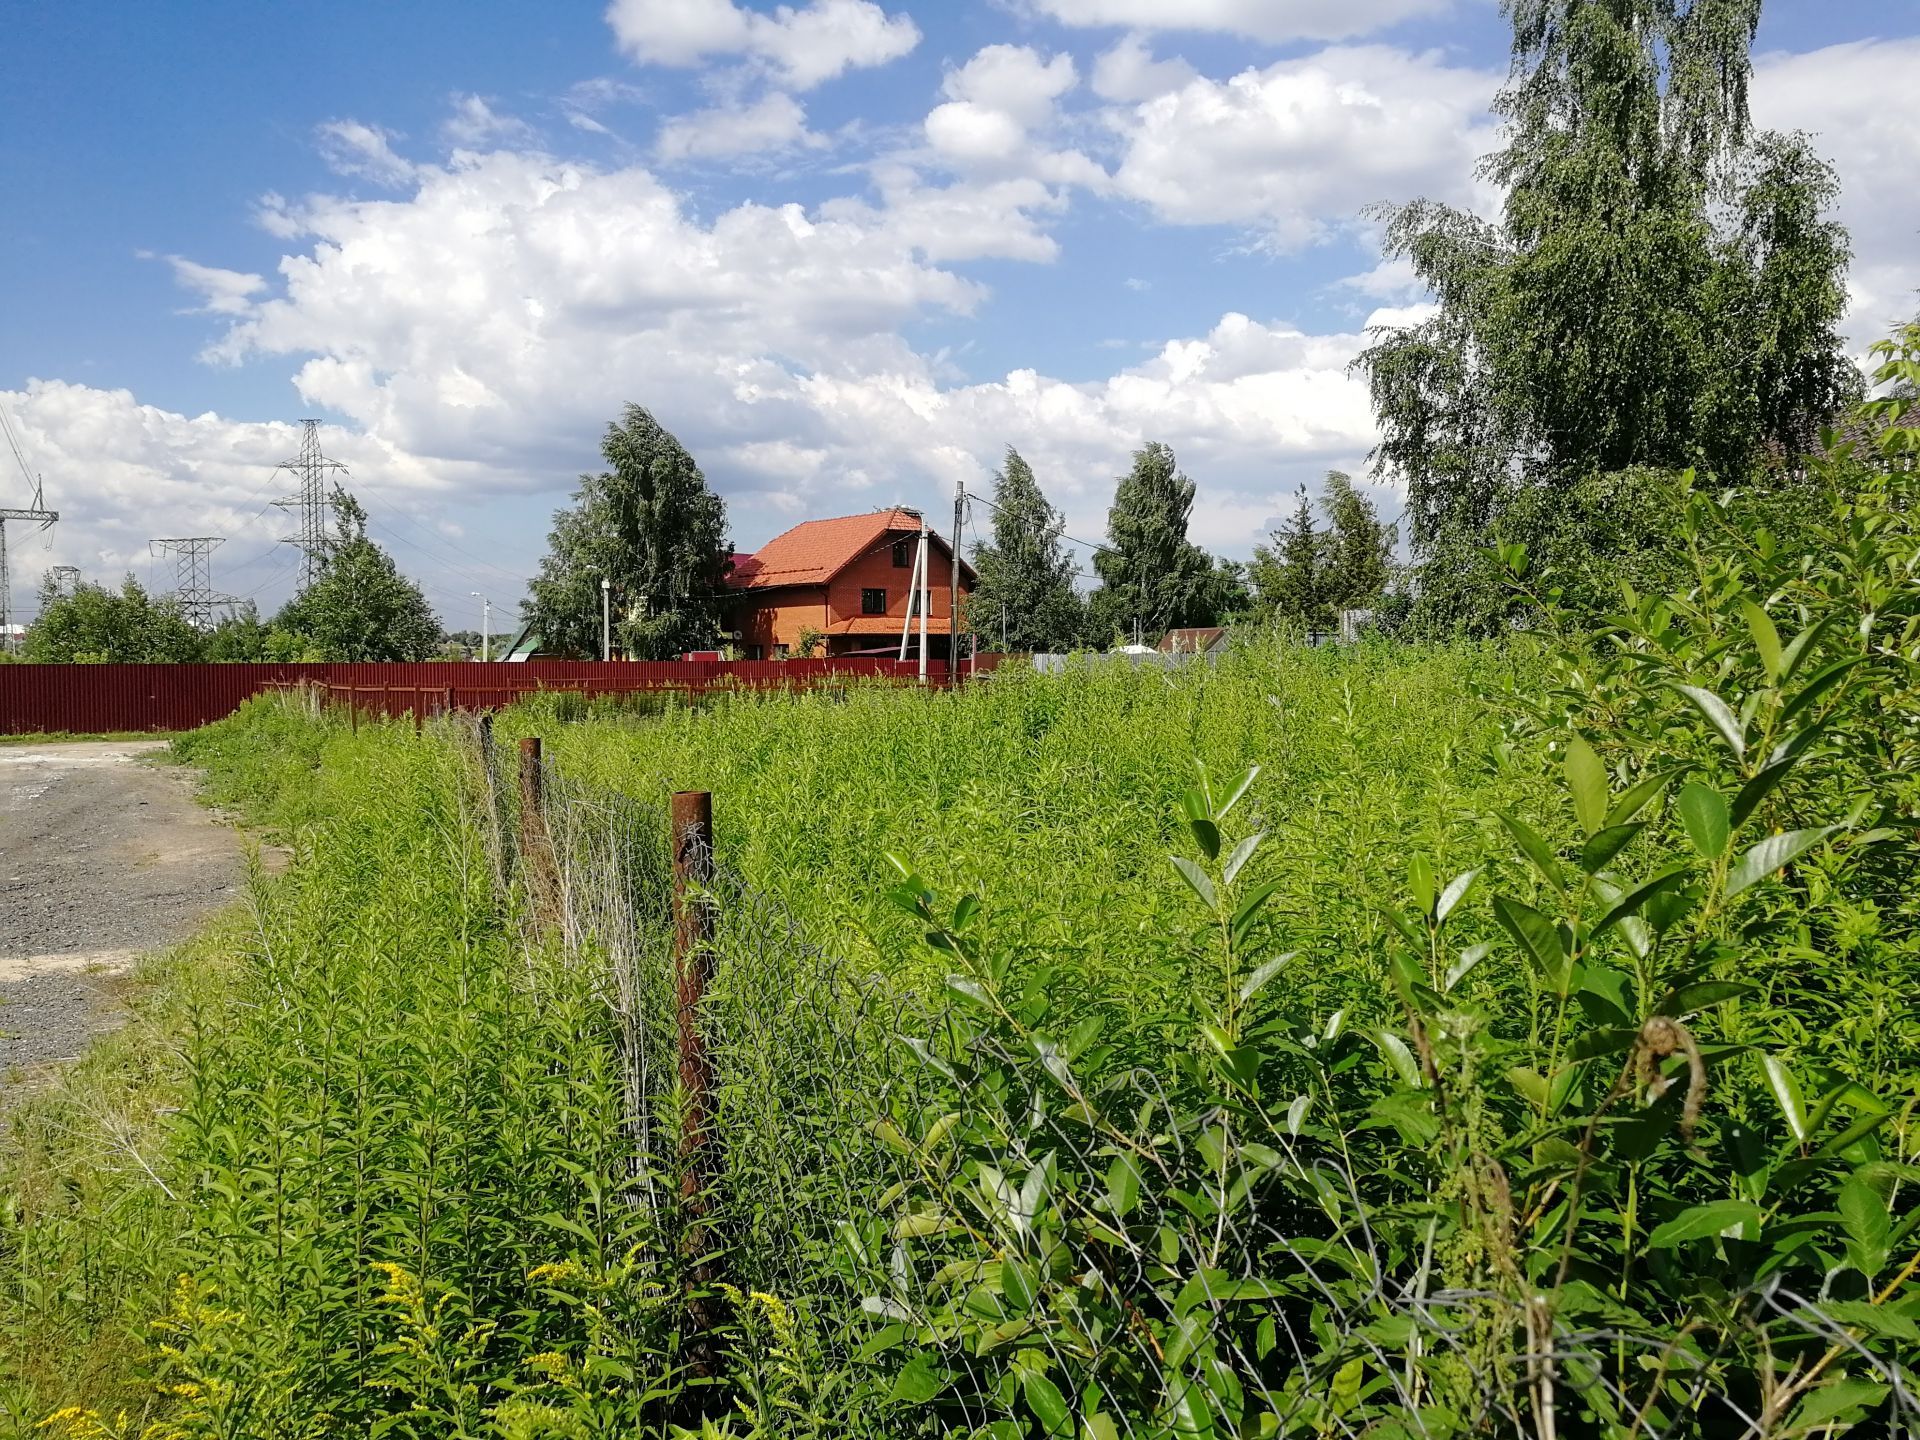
(848,578)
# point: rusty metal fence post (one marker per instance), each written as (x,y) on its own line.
(693,930)
(538,867)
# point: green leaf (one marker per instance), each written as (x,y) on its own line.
(1834,1400)
(1469,958)
(1049,1406)
(1703,993)
(1099,1427)
(920,1379)
(1703,812)
(1420,882)
(1868,1226)
(1854,1133)
(1530,1085)
(1262,973)
(1019,1285)
(1587,783)
(1786,1095)
(1766,639)
(1206,835)
(1822,681)
(1455,892)
(1761,785)
(1634,899)
(1535,849)
(1123,1184)
(1538,938)
(921,1223)
(1699,1222)
(1719,716)
(970,989)
(1607,1040)
(1237,791)
(1239,855)
(1636,798)
(1603,845)
(1248,909)
(1196,879)
(1801,646)
(1398,1057)
(1771,854)
(1879,1320)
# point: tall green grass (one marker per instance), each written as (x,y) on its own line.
(1056,800)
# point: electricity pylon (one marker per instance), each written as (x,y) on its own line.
(35,511)
(310,501)
(193,576)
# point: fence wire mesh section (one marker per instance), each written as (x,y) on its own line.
(938,1221)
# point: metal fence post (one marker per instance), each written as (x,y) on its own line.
(530,792)
(693,926)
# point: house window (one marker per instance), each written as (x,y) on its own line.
(873,602)
(902,554)
(755,652)
(779,652)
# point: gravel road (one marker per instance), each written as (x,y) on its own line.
(102,858)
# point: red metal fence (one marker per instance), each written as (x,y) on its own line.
(90,699)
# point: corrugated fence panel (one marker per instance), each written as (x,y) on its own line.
(91,699)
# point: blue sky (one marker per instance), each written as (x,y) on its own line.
(848,250)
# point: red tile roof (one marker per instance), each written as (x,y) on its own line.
(814,551)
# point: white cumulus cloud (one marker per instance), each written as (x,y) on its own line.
(774,122)
(1128,71)
(804,45)
(1302,146)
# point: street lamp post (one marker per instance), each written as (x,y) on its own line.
(486,624)
(606,618)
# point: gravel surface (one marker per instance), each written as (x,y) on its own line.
(102,858)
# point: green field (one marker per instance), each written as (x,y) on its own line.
(1380,1040)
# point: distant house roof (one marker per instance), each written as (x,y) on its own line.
(524,645)
(1193,640)
(814,551)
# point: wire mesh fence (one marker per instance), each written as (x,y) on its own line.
(913,1214)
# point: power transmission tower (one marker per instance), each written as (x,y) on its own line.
(37,510)
(193,576)
(66,579)
(310,501)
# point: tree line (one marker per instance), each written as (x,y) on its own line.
(359,608)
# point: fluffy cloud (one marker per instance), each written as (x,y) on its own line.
(804,46)
(998,101)
(1128,71)
(1274,21)
(222,292)
(1306,144)
(1843,95)
(775,122)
